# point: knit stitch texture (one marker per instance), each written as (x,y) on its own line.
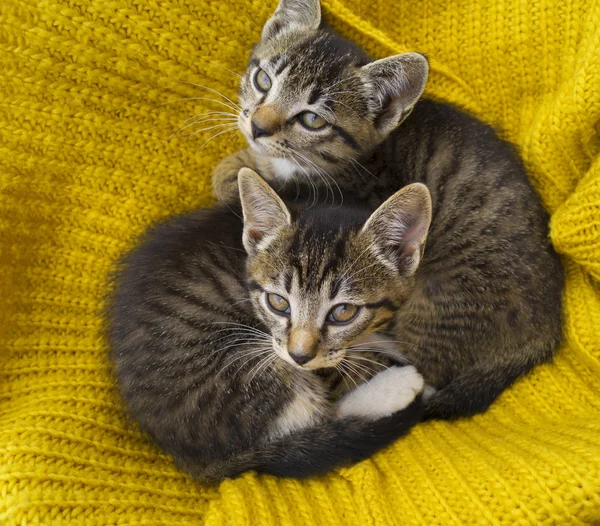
(88,160)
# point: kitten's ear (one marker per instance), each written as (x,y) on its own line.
(396,83)
(293,15)
(398,228)
(264,212)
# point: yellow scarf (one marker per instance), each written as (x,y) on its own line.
(88,160)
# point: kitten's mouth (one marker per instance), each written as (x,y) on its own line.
(256,146)
(262,149)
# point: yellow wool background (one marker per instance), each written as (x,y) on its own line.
(88,160)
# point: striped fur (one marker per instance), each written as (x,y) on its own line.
(202,362)
(485,307)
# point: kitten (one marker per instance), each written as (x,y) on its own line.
(486,307)
(233,340)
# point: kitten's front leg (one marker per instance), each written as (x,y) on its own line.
(224,179)
(383,395)
(309,407)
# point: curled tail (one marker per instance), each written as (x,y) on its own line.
(311,451)
(318,450)
(367,419)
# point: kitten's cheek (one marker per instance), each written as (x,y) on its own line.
(335,358)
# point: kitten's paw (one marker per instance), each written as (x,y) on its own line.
(387,392)
(225,175)
(225,188)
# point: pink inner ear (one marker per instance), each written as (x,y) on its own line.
(402,237)
(255,234)
(393,115)
(412,233)
(389,115)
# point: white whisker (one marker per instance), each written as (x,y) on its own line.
(325,177)
(397,355)
(344,365)
(365,359)
(308,178)
(237,324)
(211,113)
(354,370)
(388,341)
(265,363)
(208,89)
(354,161)
(200,98)
(209,119)
(341,372)
(202,130)
(240,356)
(228,130)
(215,64)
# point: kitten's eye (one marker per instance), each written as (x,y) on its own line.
(262,81)
(342,313)
(312,121)
(277,303)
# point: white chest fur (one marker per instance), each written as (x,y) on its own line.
(285,169)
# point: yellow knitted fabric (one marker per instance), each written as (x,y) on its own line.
(88,160)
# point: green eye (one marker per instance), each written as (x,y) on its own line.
(277,303)
(312,121)
(262,81)
(342,313)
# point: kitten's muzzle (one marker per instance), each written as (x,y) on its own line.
(258,132)
(302,346)
(266,121)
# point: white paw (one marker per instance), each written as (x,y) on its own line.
(387,392)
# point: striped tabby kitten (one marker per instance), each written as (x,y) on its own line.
(485,308)
(236,344)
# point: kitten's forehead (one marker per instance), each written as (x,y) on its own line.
(308,60)
(322,250)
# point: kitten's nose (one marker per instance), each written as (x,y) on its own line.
(257,131)
(302,344)
(301,359)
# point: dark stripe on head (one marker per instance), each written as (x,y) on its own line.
(346,137)
(281,66)
(383,303)
(332,266)
(329,103)
(314,96)
(252,285)
(383,323)
(254,62)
